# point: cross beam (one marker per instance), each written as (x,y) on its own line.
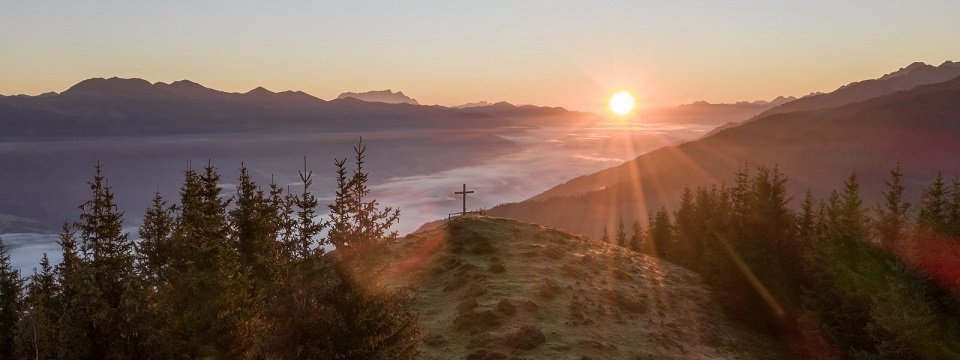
(464,193)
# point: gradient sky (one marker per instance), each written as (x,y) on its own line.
(565,53)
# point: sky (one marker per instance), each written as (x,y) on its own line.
(559,53)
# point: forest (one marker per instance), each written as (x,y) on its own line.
(835,278)
(213,275)
(251,274)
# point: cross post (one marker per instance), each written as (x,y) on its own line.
(464,193)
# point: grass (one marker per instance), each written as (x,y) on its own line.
(493,288)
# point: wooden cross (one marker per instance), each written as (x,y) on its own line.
(464,193)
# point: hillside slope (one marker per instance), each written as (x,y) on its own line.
(919,128)
(493,288)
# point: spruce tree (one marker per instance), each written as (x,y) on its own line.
(10,292)
(205,299)
(933,206)
(154,250)
(76,337)
(371,223)
(661,234)
(253,234)
(110,255)
(341,230)
(39,325)
(892,213)
(307,228)
(355,220)
(621,233)
(806,220)
(636,237)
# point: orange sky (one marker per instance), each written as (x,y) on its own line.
(560,53)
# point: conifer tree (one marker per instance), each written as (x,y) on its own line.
(636,237)
(933,206)
(253,234)
(605,236)
(76,329)
(371,223)
(205,299)
(39,325)
(109,248)
(307,228)
(10,292)
(355,220)
(154,250)
(685,241)
(806,220)
(661,234)
(339,221)
(892,213)
(110,256)
(621,233)
(849,218)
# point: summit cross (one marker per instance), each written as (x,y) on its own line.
(464,193)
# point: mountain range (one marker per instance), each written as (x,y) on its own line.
(384,96)
(817,141)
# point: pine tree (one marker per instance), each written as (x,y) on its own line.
(686,242)
(661,234)
(110,249)
(621,233)
(110,254)
(933,206)
(253,234)
(371,222)
(636,237)
(154,250)
(892,214)
(850,218)
(39,325)
(307,228)
(354,220)
(806,221)
(605,236)
(341,230)
(76,329)
(205,299)
(10,292)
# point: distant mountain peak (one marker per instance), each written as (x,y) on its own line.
(906,70)
(260,90)
(99,85)
(186,84)
(383,96)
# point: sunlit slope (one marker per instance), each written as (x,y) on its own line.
(817,150)
(493,288)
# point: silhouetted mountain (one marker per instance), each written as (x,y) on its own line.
(473,104)
(906,78)
(919,128)
(534,115)
(145,133)
(702,112)
(383,96)
(130,107)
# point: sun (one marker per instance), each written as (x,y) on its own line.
(622,103)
